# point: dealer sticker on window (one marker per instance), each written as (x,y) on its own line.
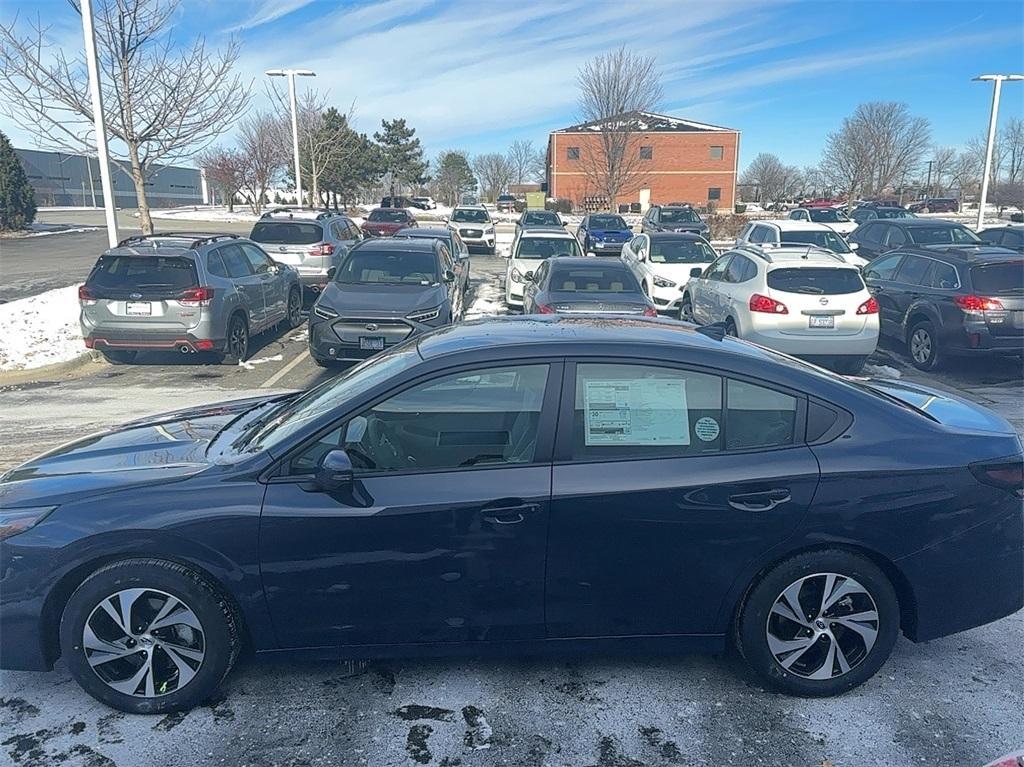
(636,412)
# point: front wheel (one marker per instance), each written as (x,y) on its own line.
(148,636)
(819,624)
(686,309)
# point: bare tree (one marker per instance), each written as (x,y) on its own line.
(161,103)
(943,161)
(493,172)
(965,174)
(775,180)
(615,89)
(265,156)
(225,171)
(1011,139)
(527,163)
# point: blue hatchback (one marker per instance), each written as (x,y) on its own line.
(509,485)
(603,234)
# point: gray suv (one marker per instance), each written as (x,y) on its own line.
(310,240)
(188,292)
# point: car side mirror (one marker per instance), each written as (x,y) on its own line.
(331,272)
(445,219)
(334,471)
(449,275)
(696,272)
(528,276)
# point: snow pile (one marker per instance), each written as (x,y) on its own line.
(41,330)
(881,371)
(488,301)
(218,213)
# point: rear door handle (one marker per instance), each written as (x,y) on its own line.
(512,514)
(763,501)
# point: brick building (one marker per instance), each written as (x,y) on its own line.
(680,161)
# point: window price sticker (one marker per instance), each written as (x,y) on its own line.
(647,411)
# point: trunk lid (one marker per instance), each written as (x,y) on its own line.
(152,291)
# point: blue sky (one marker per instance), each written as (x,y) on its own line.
(478,75)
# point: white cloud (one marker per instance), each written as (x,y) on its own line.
(267,11)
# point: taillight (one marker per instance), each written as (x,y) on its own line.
(759,303)
(868,307)
(974,303)
(322,249)
(544,309)
(650,311)
(85,296)
(196,296)
(1007,474)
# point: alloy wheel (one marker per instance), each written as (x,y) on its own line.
(144,642)
(822,626)
(238,340)
(294,308)
(921,345)
(686,311)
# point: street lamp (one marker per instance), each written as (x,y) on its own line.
(96,96)
(998,84)
(291,74)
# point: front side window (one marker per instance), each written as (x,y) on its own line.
(740,269)
(261,263)
(895,237)
(481,417)
(717,269)
(235,261)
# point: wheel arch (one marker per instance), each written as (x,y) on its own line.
(915,314)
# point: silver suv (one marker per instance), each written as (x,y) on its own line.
(190,292)
(310,240)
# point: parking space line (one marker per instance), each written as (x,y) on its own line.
(284,371)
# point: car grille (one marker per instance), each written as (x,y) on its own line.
(349,330)
(471,232)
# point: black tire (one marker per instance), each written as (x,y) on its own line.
(849,366)
(119,356)
(686,309)
(294,316)
(753,623)
(730,328)
(220,632)
(923,346)
(236,344)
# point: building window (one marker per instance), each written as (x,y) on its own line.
(715,193)
(717,152)
(646,152)
(572,153)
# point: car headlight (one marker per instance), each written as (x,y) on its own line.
(324,312)
(424,315)
(14,521)
(517,276)
(489,230)
(661,282)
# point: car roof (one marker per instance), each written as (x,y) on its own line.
(587,262)
(973,253)
(474,206)
(669,236)
(400,244)
(794,225)
(307,214)
(425,232)
(915,222)
(170,243)
(546,232)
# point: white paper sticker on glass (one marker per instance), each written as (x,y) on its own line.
(645,411)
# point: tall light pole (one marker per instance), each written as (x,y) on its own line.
(101,126)
(997,81)
(291,74)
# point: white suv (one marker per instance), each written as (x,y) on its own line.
(531,249)
(784,231)
(474,225)
(803,301)
(831,217)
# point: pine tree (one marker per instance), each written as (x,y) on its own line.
(453,176)
(17,200)
(401,153)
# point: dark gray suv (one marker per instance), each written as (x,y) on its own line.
(189,292)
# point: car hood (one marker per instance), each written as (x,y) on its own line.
(377,300)
(165,447)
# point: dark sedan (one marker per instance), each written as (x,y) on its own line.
(503,486)
(585,285)
(384,292)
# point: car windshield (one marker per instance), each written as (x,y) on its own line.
(678,216)
(392,215)
(681,252)
(827,216)
(950,234)
(388,267)
(166,273)
(286,233)
(280,423)
(820,237)
(593,279)
(546,247)
(894,213)
(607,222)
(470,216)
(818,281)
(541,217)
(1002,278)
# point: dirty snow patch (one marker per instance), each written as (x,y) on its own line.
(489,299)
(881,371)
(251,364)
(41,330)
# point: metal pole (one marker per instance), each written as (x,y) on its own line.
(92,183)
(295,138)
(98,119)
(997,85)
(928,186)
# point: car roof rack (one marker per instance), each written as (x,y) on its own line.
(292,209)
(196,238)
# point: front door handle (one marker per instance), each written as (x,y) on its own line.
(512,514)
(763,501)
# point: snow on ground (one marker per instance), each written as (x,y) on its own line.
(503,243)
(45,230)
(250,364)
(488,301)
(881,371)
(41,330)
(217,213)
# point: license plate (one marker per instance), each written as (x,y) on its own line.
(818,321)
(138,308)
(371,343)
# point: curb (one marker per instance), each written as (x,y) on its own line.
(31,375)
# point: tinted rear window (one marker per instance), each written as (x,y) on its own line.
(999,278)
(816,281)
(609,279)
(163,274)
(286,233)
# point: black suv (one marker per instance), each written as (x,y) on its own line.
(950,301)
(673,218)
(879,236)
(1005,237)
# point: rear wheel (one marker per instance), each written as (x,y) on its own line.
(686,309)
(819,624)
(119,356)
(148,636)
(294,308)
(850,366)
(923,347)
(236,347)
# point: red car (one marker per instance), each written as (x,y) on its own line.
(384,222)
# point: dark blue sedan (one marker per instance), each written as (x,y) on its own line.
(508,485)
(603,234)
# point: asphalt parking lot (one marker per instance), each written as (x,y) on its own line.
(958,701)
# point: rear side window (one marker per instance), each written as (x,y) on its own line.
(758,417)
(942,276)
(150,273)
(235,261)
(883,268)
(286,233)
(912,270)
(816,281)
(999,278)
(215,265)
